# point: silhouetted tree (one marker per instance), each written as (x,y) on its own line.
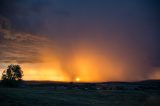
(12,76)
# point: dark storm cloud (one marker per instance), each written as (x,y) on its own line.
(20,47)
(126,29)
(32,16)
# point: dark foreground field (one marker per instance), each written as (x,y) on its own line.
(47,96)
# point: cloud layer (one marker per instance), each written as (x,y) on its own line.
(20,47)
(112,40)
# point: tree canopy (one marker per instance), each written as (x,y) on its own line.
(13,72)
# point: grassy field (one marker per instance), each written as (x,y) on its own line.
(48,97)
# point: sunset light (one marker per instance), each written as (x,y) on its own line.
(77,79)
(79,53)
(96,43)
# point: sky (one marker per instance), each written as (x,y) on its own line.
(88,40)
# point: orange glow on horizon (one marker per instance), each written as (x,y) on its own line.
(82,66)
(77,79)
(88,68)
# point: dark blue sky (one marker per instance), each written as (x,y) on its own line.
(127,29)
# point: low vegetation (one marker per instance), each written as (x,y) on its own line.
(50,97)
(32,93)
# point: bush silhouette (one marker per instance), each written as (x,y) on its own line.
(12,76)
